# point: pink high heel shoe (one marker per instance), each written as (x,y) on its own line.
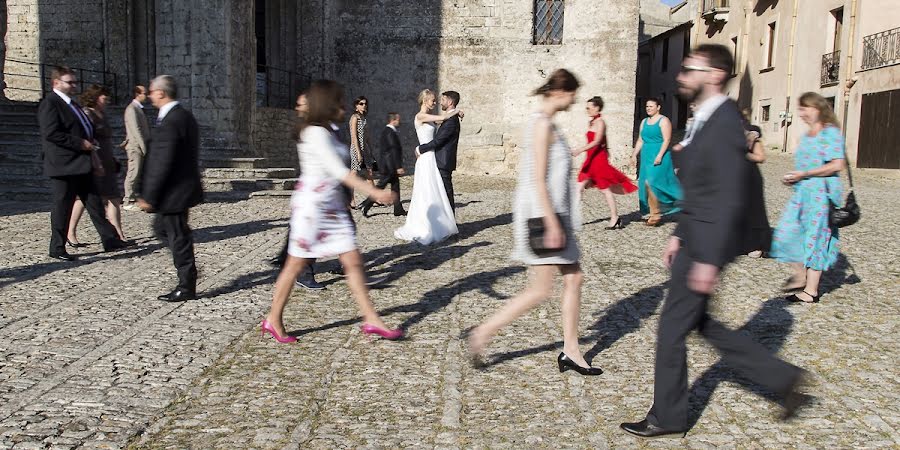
(391,335)
(266,327)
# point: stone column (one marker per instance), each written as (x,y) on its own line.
(3,22)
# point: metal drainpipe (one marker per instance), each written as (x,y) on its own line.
(850,46)
(790,77)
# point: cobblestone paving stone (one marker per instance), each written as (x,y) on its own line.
(91,360)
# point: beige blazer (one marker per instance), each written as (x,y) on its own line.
(137,129)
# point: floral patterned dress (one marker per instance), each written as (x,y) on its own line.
(803,234)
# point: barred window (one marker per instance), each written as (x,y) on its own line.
(548,22)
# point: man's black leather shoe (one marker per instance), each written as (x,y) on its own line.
(795,400)
(64,257)
(645,429)
(399,213)
(118,245)
(178,295)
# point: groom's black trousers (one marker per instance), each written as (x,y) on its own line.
(447,178)
(684,311)
(394,181)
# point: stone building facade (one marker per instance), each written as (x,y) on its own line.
(241,62)
(845,50)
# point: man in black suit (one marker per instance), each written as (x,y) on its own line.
(390,161)
(171,183)
(714,172)
(67,140)
(445,143)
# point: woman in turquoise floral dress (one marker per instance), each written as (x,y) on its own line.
(804,238)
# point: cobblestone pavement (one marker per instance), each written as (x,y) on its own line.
(91,360)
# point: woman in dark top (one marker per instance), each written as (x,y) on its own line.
(759,237)
(94,101)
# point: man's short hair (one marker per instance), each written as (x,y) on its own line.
(453,96)
(717,56)
(166,83)
(392,116)
(60,71)
(138,90)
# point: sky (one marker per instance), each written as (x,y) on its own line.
(671,2)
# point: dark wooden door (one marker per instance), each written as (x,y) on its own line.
(879,131)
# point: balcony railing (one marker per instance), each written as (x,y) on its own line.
(831,68)
(716,9)
(881,49)
(278,88)
(29,81)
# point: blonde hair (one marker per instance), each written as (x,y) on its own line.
(423,95)
(826,114)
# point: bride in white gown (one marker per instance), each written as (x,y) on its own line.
(430,218)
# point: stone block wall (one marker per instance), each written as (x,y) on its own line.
(272,136)
(390,50)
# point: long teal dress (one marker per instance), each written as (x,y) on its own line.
(803,234)
(661,178)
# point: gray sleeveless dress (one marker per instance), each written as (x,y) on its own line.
(561,187)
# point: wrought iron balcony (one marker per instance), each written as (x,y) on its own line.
(881,49)
(716,10)
(831,68)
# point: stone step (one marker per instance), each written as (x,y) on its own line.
(23,133)
(237,173)
(25,194)
(210,161)
(248,185)
(20,108)
(17,119)
(23,181)
(271,194)
(10,168)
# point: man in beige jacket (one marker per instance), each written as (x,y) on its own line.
(137,131)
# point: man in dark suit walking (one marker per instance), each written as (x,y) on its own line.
(714,173)
(445,144)
(171,182)
(390,161)
(67,140)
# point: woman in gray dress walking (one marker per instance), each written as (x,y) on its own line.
(544,192)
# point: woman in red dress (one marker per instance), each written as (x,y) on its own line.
(596,171)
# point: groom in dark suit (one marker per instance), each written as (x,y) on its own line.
(445,144)
(67,140)
(714,173)
(390,161)
(171,182)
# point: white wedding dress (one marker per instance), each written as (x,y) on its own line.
(429,218)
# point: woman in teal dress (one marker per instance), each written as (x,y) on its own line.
(658,188)
(804,238)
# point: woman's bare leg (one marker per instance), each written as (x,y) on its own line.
(611,203)
(573,278)
(77,211)
(114,214)
(539,285)
(356,279)
(283,287)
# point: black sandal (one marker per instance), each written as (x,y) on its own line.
(795,299)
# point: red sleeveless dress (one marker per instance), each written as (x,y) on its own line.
(597,168)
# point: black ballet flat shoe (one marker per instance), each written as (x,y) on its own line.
(75,245)
(645,429)
(795,299)
(565,364)
(616,226)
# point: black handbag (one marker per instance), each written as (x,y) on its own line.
(536,237)
(849,213)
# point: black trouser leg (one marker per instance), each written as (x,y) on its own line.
(96,211)
(683,311)
(63,193)
(394,181)
(447,178)
(173,229)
